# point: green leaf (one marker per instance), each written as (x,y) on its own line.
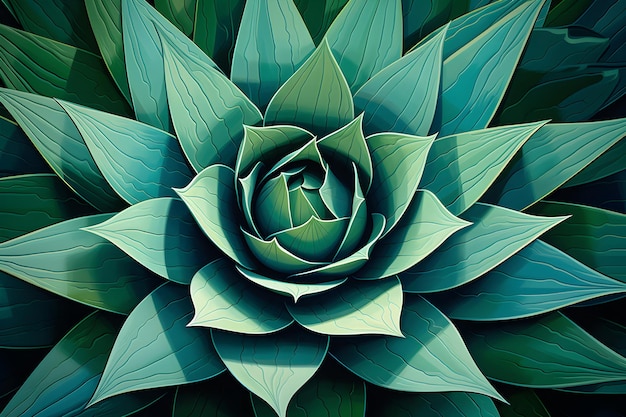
(444,404)
(154,348)
(366,37)
(161,235)
(316,97)
(208,111)
(224,300)
(139,161)
(215,211)
(17,153)
(566,12)
(30,202)
(523,403)
(403,97)
(270,206)
(546,352)
(460,168)
(493,56)
(335,195)
(356,308)
(123,405)
(68,375)
(56,137)
(272,43)
(315,240)
(550,157)
(496,234)
(272,366)
(308,153)
(358,221)
(319,15)
(536,280)
(39,65)
(78,265)
(610,162)
(424,227)
(180,12)
(398,161)
(432,357)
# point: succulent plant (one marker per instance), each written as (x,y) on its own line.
(310,208)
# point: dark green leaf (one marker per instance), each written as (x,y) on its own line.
(319,15)
(317,240)
(565,12)
(271,209)
(221,396)
(608,193)
(445,404)
(522,403)
(17,153)
(180,12)
(609,163)
(123,405)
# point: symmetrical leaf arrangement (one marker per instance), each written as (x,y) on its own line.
(312,208)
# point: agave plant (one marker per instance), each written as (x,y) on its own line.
(307,208)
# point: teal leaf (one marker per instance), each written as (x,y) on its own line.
(460,168)
(275,366)
(355,308)
(56,137)
(546,352)
(39,65)
(366,37)
(316,239)
(17,153)
(246,189)
(537,280)
(440,404)
(493,55)
(272,43)
(335,195)
(424,227)
(30,202)
(207,109)
(78,265)
(432,357)
(316,97)
(403,97)
(139,161)
(124,405)
(308,153)
(211,198)
(358,221)
(610,162)
(65,379)
(180,12)
(154,348)
(161,235)
(271,207)
(550,157)
(398,161)
(224,300)
(319,15)
(496,234)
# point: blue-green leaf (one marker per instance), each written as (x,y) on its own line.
(271,210)
(223,299)
(180,12)
(316,97)
(78,265)
(431,358)
(365,37)
(155,348)
(161,235)
(440,404)
(316,239)
(272,43)
(609,163)
(272,366)
(138,161)
(496,234)
(17,153)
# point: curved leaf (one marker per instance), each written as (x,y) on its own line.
(272,366)
(180,13)
(271,211)
(609,163)
(444,404)
(78,265)
(154,348)
(221,396)
(18,155)
(316,239)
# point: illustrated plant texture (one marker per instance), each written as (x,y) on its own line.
(312,208)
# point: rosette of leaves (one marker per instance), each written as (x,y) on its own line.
(271,207)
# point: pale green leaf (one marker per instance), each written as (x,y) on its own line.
(17,153)
(315,240)
(440,404)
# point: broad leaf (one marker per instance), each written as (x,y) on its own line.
(221,396)
(161,235)
(319,15)
(180,12)
(431,358)
(223,299)
(444,404)
(78,265)
(316,97)
(17,153)
(272,366)
(155,348)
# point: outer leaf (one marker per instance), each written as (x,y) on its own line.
(30,202)
(551,157)
(274,366)
(221,396)
(356,308)
(180,12)
(224,300)
(211,199)
(424,227)
(155,349)
(460,168)
(444,404)
(161,235)
(272,43)
(139,161)
(17,153)
(55,136)
(547,352)
(403,97)
(365,38)
(316,97)
(431,357)
(207,110)
(495,235)
(77,265)
(39,65)
(318,18)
